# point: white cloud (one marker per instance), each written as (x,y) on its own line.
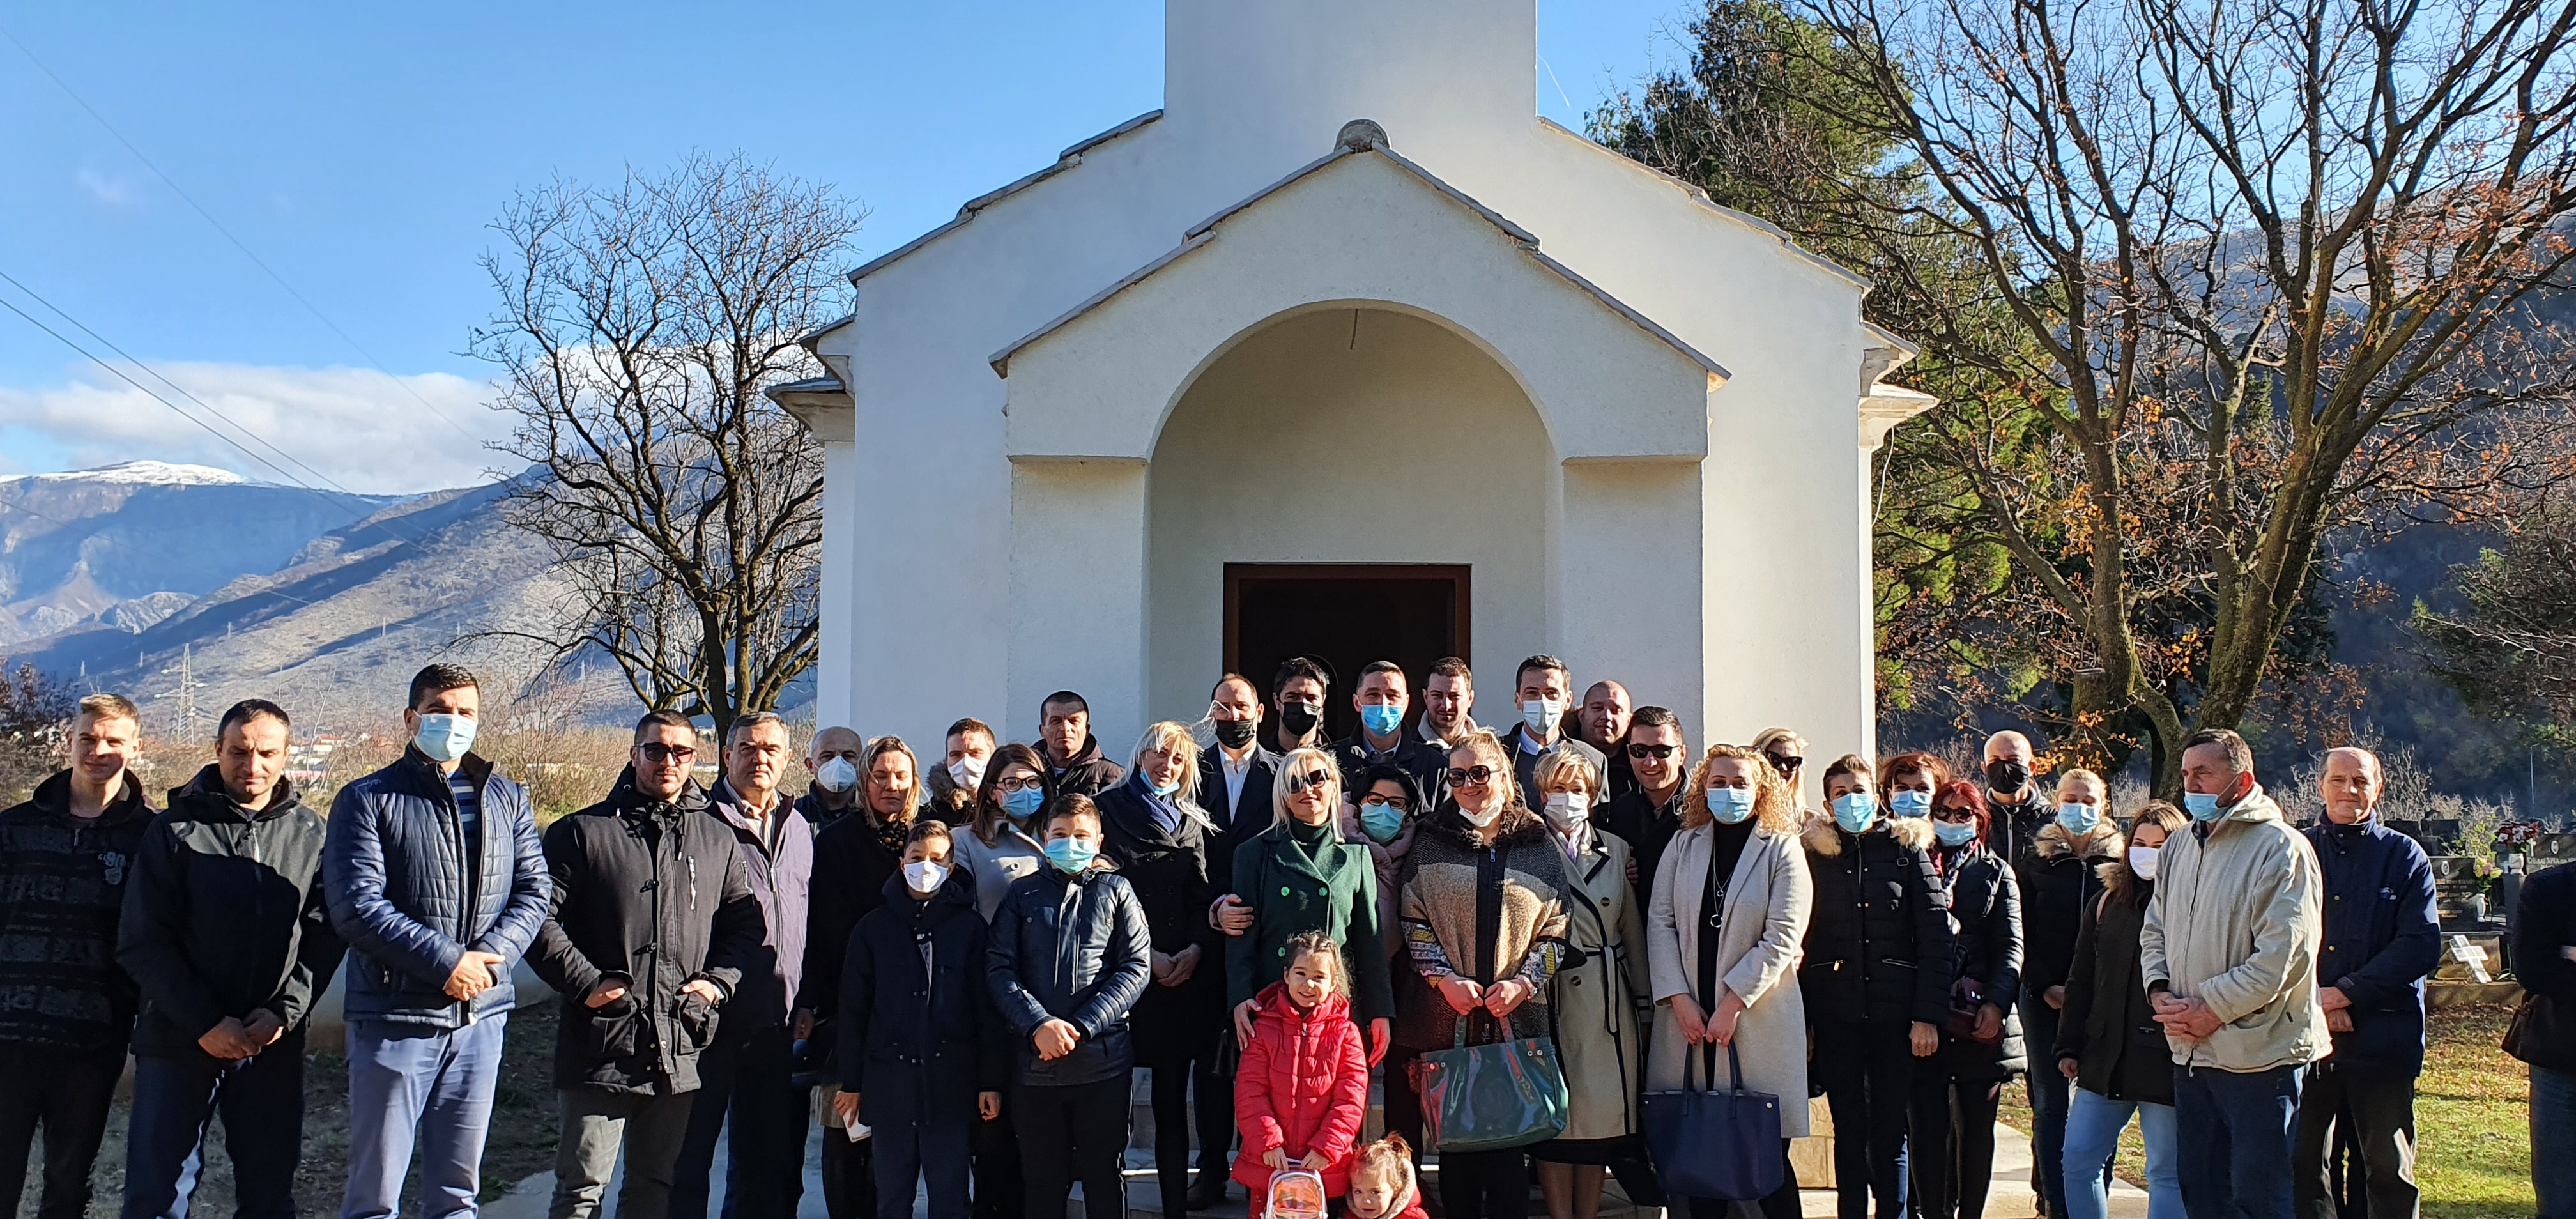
(355,425)
(112,191)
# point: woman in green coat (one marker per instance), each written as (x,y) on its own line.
(1299,876)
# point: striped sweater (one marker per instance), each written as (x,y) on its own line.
(62,887)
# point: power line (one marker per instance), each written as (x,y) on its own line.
(202,404)
(209,218)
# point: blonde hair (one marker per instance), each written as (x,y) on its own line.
(879,748)
(1765,739)
(1774,809)
(1295,764)
(1483,743)
(2083,775)
(1553,765)
(1169,734)
(1390,1155)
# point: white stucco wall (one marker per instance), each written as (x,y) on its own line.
(1304,444)
(922,629)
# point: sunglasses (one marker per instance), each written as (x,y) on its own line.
(1785,763)
(1959,813)
(659,752)
(1650,751)
(1472,776)
(1312,778)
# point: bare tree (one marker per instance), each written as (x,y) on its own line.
(2270,271)
(639,325)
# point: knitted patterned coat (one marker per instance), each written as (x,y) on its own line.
(1520,878)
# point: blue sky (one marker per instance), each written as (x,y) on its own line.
(360,149)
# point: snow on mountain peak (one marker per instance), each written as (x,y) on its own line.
(154,473)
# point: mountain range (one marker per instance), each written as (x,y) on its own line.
(125,577)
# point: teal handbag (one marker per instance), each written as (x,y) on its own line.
(1492,1097)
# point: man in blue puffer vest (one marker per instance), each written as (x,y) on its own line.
(437,880)
(2381,938)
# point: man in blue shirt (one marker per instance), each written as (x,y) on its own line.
(2381,939)
(437,881)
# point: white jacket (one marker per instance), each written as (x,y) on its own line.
(2235,923)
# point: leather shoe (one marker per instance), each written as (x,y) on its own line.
(1207,1192)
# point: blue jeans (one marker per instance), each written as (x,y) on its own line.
(2048,1100)
(262,1101)
(743,1079)
(2237,1134)
(407,1086)
(2093,1125)
(2553,1142)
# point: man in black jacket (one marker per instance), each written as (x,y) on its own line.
(652,925)
(1074,766)
(66,1010)
(228,933)
(1382,698)
(1648,817)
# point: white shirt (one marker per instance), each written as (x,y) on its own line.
(1236,770)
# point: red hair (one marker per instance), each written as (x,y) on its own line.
(1914,762)
(1962,791)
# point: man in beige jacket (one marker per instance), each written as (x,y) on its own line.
(2230,957)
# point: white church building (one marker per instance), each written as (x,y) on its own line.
(1346,352)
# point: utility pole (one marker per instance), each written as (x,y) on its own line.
(186,693)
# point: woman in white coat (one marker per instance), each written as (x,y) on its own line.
(1723,931)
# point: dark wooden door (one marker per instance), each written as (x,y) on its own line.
(1345,615)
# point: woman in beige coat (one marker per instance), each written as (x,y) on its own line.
(1596,993)
(1728,976)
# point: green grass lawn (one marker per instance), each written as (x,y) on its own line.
(2472,1121)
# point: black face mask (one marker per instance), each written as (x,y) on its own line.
(1297,718)
(2006,775)
(1235,734)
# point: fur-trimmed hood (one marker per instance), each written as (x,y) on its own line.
(1519,827)
(2104,843)
(1823,836)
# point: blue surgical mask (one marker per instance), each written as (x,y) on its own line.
(2201,805)
(2078,818)
(1954,833)
(1381,821)
(1381,719)
(1854,811)
(1071,854)
(1730,805)
(444,738)
(1163,790)
(1024,803)
(1910,803)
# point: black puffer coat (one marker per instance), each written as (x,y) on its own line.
(654,894)
(918,1043)
(1076,949)
(2108,1025)
(1881,915)
(1985,910)
(2059,880)
(225,915)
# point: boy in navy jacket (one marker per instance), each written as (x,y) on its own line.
(920,1055)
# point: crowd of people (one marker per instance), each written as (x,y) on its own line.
(955,962)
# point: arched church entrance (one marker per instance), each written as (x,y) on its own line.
(1352,483)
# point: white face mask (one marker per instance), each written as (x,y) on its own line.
(968,771)
(1568,809)
(1483,819)
(1542,715)
(925,876)
(837,774)
(2142,860)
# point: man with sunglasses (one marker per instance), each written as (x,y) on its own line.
(1382,699)
(1603,724)
(652,924)
(1647,817)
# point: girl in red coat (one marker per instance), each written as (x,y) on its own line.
(1382,1185)
(1301,1091)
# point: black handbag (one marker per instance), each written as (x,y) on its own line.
(1719,1145)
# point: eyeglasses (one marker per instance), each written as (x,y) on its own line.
(1785,763)
(1472,776)
(1020,784)
(1312,778)
(1650,751)
(1383,802)
(656,751)
(1955,813)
